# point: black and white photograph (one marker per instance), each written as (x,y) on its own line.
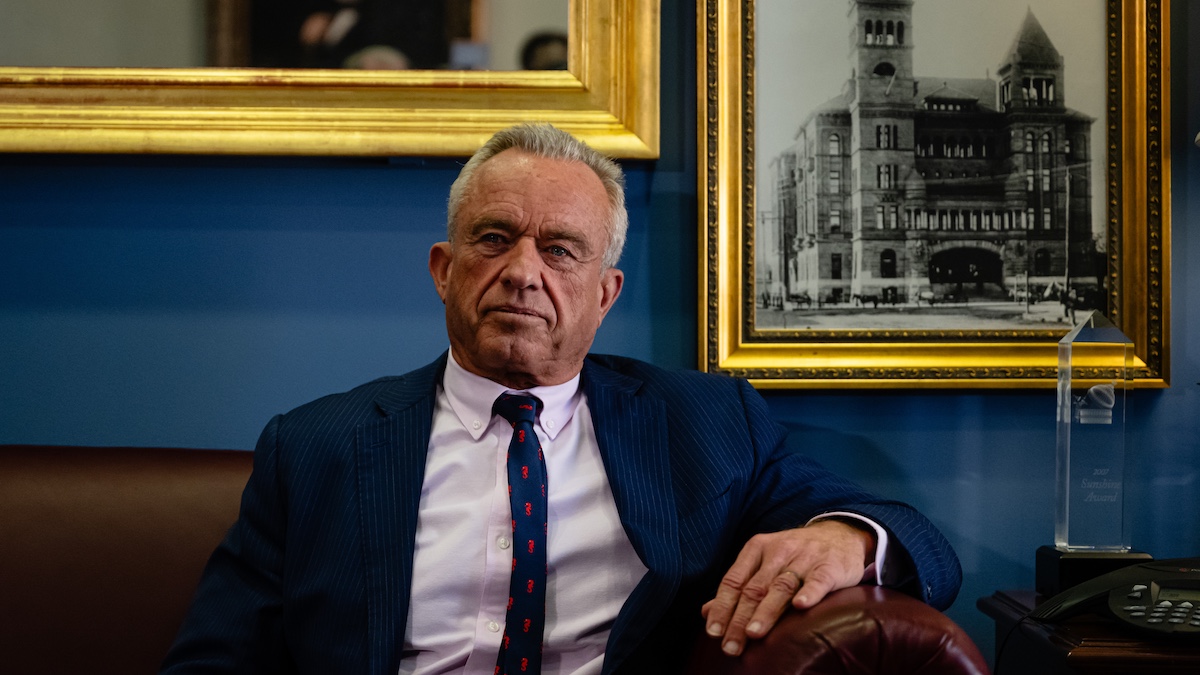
(928,164)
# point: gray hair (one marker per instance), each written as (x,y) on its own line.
(545,140)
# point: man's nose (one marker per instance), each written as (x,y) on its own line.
(523,265)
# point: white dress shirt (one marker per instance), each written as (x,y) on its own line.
(463,559)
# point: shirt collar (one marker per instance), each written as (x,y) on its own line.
(471,397)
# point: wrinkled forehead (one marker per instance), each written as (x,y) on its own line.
(518,176)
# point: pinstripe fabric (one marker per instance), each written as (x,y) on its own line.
(316,574)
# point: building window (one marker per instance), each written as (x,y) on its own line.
(835,182)
(900,32)
(1046,144)
(1047,223)
(1041,262)
(887,264)
(835,266)
(879,217)
(835,220)
(1029,180)
(870,31)
(835,145)
(1038,90)
(893,218)
(1029,141)
(1045,180)
(885,176)
(1029,221)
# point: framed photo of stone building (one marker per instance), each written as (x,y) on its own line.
(930,193)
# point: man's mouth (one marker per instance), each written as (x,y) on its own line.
(519,311)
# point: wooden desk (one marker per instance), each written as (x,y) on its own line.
(1082,644)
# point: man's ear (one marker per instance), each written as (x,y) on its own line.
(611,281)
(440,259)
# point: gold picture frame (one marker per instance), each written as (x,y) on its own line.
(608,98)
(1137,207)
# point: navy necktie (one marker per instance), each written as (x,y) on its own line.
(521,648)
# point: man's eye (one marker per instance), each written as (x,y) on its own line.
(491,238)
(558,251)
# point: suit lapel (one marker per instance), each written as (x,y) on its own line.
(391,469)
(633,442)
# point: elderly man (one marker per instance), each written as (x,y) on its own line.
(519,505)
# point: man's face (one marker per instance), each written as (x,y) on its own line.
(522,281)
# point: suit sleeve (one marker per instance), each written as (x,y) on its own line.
(791,488)
(235,621)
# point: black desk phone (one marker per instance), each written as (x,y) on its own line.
(1160,597)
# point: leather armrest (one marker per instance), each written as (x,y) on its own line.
(865,629)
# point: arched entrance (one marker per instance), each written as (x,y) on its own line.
(966,272)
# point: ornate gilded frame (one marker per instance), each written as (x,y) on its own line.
(1138,198)
(609,98)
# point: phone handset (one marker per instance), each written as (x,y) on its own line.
(1159,597)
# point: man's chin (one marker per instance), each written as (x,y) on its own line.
(504,353)
(521,365)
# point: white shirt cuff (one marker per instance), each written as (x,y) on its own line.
(874,573)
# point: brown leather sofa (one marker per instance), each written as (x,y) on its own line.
(101,548)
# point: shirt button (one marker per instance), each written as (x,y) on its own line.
(476,424)
(549,424)
(493,626)
(503,542)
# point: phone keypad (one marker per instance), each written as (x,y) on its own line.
(1163,615)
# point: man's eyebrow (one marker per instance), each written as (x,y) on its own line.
(565,235)
(485,224)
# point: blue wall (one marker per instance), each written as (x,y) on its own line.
(184,300)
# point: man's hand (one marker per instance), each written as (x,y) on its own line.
(798,566)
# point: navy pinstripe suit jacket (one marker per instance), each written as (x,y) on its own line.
(315,575)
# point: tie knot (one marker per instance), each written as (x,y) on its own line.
(516,408)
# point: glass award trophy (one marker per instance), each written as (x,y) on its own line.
(1096,368)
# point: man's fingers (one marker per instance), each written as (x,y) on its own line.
(782,592)
(719,611)
(797,567)
(817,585)
(762,601)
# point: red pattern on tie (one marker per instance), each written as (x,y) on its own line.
(522,650)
